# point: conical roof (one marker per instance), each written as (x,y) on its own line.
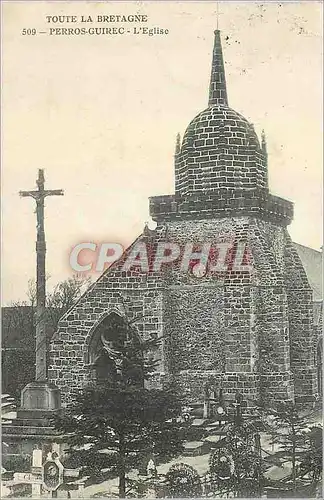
(220,148)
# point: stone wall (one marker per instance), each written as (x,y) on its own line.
(132,294)
(250,307)
(247,330)
(301,324)
(220,149)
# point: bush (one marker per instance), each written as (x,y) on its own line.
(183,481)
(16,463)
(21,490)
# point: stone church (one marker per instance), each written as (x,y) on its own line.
(250,328)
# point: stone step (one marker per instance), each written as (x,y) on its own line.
(26,431)
(34,414)
(31,422)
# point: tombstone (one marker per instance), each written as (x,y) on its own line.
(152,473)
(50,476)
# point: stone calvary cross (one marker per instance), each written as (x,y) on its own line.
(39,196)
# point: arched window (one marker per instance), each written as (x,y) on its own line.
(105,348)
(115,352)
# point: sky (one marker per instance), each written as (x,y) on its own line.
(101,113)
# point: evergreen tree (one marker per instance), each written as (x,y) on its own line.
(112,426)
(311,465)
(289,427)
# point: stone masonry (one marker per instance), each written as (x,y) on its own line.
(249,329)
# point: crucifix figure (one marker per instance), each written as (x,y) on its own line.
(39,196)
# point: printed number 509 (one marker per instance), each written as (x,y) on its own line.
(28,31)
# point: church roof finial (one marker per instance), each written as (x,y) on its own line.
(263,142)
(146,230)
(177,147)
(217,88)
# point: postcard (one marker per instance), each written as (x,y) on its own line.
(161,256)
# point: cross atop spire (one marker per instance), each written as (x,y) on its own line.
(217,88)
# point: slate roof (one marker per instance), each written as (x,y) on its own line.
(312,262)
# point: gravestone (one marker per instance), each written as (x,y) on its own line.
(49,475)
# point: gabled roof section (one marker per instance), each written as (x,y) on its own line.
(312,262)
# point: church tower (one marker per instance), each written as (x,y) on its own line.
(242,330)
(243,320)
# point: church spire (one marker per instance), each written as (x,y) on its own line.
(217,88)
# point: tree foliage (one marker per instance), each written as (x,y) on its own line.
(112,425)
(297,442)
(236,466)
(183,481)
(63,297)
(19,330)
(110,429)
(311,464)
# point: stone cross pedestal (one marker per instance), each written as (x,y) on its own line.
(39,399)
